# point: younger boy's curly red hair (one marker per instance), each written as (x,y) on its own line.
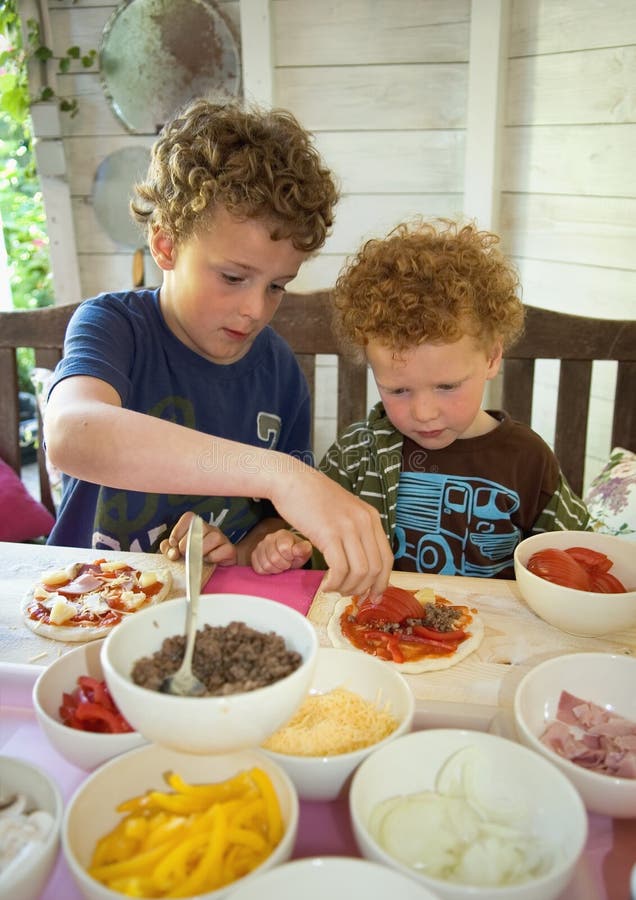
(428,282)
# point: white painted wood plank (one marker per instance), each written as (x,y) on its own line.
(581,290)
(82,26)
(484,115)
(599,231)
(318,273)
(256,51)
(596,160)
(62,246)
(94,118)
(358,97)
(555,26)
(369,31)
(84,156)
(546,90)
(398,161)
(112,272)
(362,216)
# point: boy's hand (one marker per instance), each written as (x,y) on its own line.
(279,551)
(217,548)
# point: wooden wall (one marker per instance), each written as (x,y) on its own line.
(384,85)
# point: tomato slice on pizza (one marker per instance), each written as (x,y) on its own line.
(86,600)
(416,631)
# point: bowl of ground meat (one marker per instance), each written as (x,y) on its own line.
(255,656)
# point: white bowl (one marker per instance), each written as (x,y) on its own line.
(91,811)
(84,749)
(509,773)
(335,877)
(603,678)
(323,777)
(579,612)
(208,724)
(26,881)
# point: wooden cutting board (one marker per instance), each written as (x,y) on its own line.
(515,640)
(22,564)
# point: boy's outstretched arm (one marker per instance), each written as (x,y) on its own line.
(90,436)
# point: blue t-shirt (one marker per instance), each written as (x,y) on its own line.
(262,400)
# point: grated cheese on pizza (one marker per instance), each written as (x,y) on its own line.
(339,721)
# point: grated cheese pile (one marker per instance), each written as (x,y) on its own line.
(339,721)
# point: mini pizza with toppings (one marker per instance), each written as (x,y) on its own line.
(415,631)
(84,601)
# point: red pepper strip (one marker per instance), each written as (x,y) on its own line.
(423,631)
(114,722)
(384,650)
(417,639)
(95,690)
(393,644)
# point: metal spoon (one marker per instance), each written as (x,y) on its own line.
(184,682)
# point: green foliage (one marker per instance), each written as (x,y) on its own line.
(21,206)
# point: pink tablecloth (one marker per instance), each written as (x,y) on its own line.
(324,828)
(295,588)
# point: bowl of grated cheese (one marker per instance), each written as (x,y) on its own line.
(355,705)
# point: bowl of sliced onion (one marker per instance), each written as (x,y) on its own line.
(469,815)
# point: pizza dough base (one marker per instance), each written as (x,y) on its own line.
(416,667)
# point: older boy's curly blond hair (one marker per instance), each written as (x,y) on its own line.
(428,282)
(255,163)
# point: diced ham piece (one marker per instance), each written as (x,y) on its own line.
(593,737)
(83,584)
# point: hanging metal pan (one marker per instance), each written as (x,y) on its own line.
(112,191)
(155,55)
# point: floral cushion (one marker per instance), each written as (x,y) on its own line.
(611,498)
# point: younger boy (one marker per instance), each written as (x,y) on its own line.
(181,399)
(431,309)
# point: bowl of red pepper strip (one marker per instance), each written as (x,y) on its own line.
(77,713)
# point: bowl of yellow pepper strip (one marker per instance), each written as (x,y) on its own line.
(154,822)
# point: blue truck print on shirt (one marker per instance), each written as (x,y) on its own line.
(434,504)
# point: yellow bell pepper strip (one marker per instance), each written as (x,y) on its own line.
(194,840)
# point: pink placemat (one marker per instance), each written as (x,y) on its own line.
(294,588)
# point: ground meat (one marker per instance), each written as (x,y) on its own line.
(228,659)
(439,616)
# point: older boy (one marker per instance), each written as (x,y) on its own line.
(182,399)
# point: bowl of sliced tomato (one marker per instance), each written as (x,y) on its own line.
(77,713)
(579,581)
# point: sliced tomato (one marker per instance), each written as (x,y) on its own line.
(559,567)
(591,560)
(606,583)
(395,605)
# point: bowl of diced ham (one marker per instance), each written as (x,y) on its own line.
(581,582)
(579,712)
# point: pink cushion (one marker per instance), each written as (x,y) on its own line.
(22,517)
